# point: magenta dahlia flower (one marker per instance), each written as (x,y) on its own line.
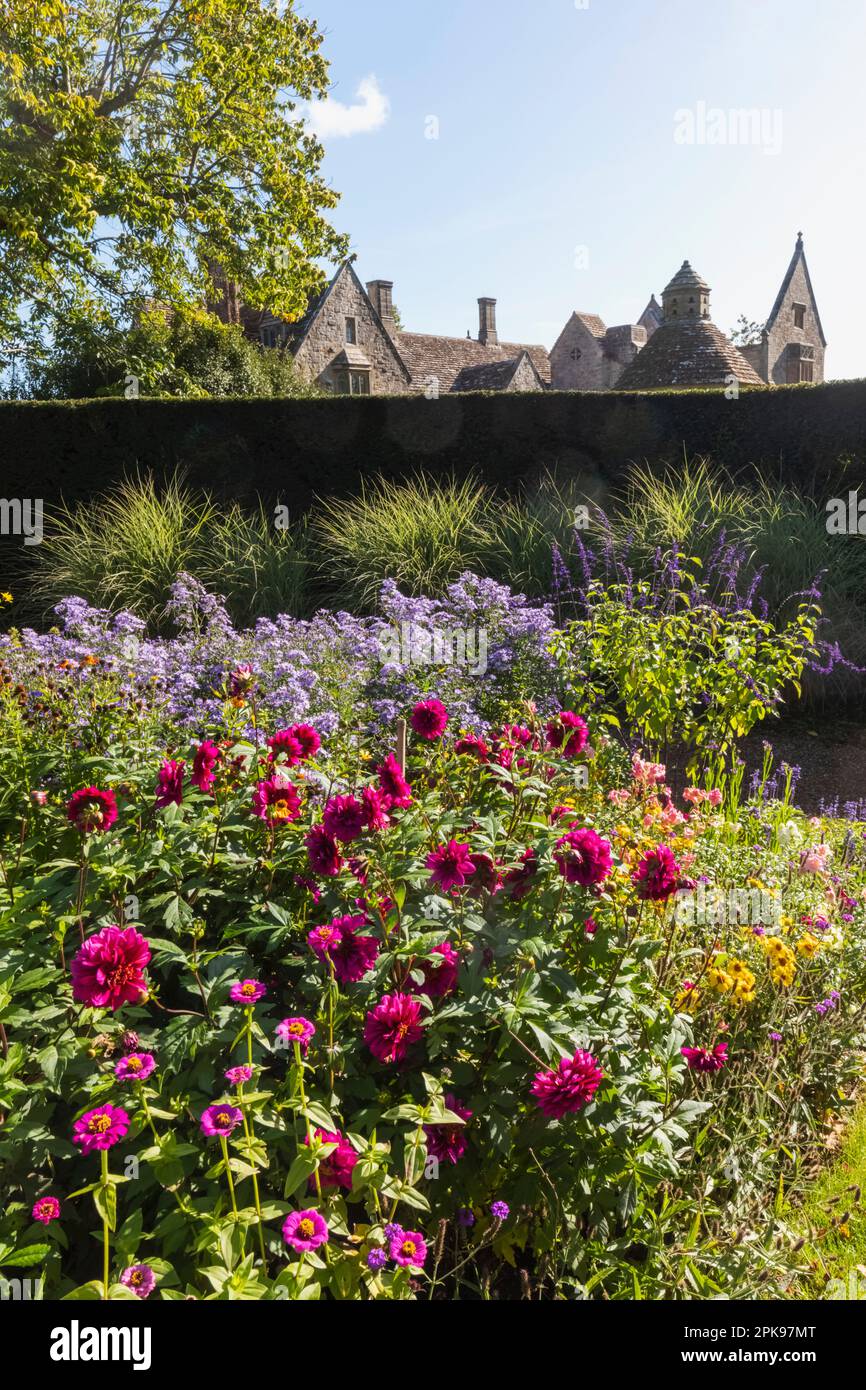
(336,1169)
(429,719)
(207,755)
(308,737)
(569,732)
(169,784)
(474,746)
(583,857)
(440,976)
(46,1210)
(236,1076)
(108,970)
(296,1030)
(247,992)
(91,809)
(657,875)
(305,1230)
(101,1128)
(285,748)
(487,877)
(276,801)
(219,1121)
(393,1026)
(706,1059)
(344,818)
(569,1087)
(450,865)
(135,1066)
(408,1248)
(323,852)
(140,1278)
(375,804)
(393,783)
(519,880)
(447,1142)
(340,941)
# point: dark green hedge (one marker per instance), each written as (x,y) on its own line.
(292,450)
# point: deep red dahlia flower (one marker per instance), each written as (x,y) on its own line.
(323,852)
(336,1169)
(447,1142)
(657,876)
(344,818)
(393,783)
(450,865)
(91,809)
(392,1026)
(429,719)
(169,784)
(583,857)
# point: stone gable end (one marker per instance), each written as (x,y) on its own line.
(326,354)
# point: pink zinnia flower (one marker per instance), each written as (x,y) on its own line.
(344,818)
(283,744)
(393,1026)
(236,1076)
(324,855)
(219,1121)
(140,1278)
(296,1030)
(46,1209)
(408,1248)
(568,729)
(135,1066)
(429,719)
(375,804)
(583,857)
(108,970)
(169,784)
(569,1087)
(447,1142)
(101,1128)
(450,865)
(90,809)
(276,801)
(305,1230)
(207,755)
(705,1059)
(247,992)
(657,875)
(393,783)
(340,941)
(440,978)
(336,1169)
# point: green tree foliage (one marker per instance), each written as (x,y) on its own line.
(143,140)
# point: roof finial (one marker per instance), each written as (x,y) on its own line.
(799,238)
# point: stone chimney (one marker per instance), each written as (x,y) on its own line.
(380,292)
(487,321)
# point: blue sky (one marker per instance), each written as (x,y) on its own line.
(565,174)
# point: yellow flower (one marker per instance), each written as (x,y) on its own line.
(808,945)
(719,980)
(7,598)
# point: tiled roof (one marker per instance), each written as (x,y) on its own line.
(687,353)
(592,322)
(799,254)
(492,376)
(429,355)
(686,279)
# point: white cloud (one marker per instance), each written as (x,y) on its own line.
(330,119)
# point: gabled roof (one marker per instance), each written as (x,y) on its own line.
(494,376)
(592,322)
(687,352)
(653,312)
(799,255)
(429,355)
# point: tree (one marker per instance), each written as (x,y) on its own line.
(164,354)
(746,333)
(142,141)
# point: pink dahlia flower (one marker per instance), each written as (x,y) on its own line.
(101,1128)
(429,719)
(90,809)
(285,747)
(108,970)
(305,1230)
(344,818)
(447,1142)
(169,783)
(323,852)
(408,1248)
(705,1058)
(236,1076)
(393,1026)
(340,941)
(135,1066)
(247,992)
(375,804)
(583,857)
(336,1169)
(46,1209)
(140,1278)
(569,1087)
(207,755)
(296,1030)
(276,801)
(657,875)
(568,732)
(393,783)
(219,1121)
(440,976)
(450,865)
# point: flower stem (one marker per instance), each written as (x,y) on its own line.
(225,1149)
(249,1136)
(105,1234)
